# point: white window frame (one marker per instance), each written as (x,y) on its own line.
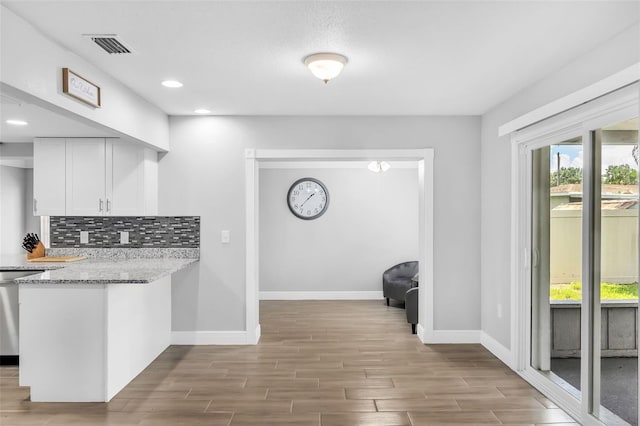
(580,121)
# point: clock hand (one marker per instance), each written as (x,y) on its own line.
(307,199)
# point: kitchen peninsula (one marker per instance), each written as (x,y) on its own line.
(87,328)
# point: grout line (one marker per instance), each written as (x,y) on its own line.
(494,415)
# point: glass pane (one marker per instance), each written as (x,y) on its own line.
(557,262)
(618,371)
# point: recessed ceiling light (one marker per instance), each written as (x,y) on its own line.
(17,122)
(171,83)
(202,111)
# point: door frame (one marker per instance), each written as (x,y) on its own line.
(254,158)
(579,121)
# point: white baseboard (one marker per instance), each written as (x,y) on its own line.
(321,295)
(421,333)
(450,336)
(254,338)
(498,349)
(214,337)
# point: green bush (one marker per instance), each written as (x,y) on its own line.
(608,291)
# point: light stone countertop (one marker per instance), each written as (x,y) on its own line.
(96,270)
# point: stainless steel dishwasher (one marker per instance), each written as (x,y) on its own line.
(9,339)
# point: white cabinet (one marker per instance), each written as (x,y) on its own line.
(104,177)
(98,177)
(85,342)
(125,179)
(49,159)
(86,165)
(150,182)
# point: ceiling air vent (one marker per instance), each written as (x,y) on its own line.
(109,43)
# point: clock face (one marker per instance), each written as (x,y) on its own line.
(308,198)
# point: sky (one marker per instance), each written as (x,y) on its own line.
(571,156)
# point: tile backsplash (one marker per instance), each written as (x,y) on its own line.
(144,231)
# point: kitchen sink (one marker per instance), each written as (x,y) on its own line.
(9,276)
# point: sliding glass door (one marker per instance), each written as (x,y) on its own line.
(582,279)
(556,280)
(615,363)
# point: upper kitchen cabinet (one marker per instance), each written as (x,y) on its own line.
(49,158)
(86,170)
(104,177)
(124,179)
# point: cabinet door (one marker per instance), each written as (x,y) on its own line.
(86,177)
(150,182)
(125,178)
(49,177)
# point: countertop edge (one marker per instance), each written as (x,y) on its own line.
(36,278)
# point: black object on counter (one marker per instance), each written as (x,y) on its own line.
(30,242)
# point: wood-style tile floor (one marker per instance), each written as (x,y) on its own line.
(318,363)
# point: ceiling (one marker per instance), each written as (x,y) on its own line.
(405,57)
(42,122)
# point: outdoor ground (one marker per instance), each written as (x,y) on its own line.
(619,383)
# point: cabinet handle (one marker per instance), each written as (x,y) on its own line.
(35,205)
(108,205)
(100,205)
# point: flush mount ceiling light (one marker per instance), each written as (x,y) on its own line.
(325,66)
(17,122)
(172,84)
(379,166)
(202,111)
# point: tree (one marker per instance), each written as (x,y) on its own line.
(620,174)
(568,175)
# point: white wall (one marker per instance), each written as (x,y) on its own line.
(611,57)
(33,66)
(371,224)
(204,175)
(13,184)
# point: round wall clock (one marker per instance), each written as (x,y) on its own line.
(308,198)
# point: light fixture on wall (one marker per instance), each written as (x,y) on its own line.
(379,166)
(325,66)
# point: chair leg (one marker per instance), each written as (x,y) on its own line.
(413,329)
(387,301)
